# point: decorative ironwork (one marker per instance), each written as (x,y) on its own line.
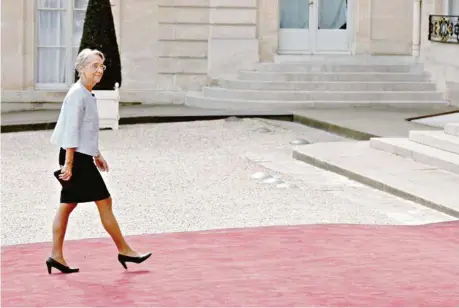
(444,28)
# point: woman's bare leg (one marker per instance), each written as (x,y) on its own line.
(111,226)
(59,228)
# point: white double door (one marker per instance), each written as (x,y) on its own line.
(313,26)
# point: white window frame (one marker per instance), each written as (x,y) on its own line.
(69,25)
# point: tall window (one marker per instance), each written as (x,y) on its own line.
(59,30)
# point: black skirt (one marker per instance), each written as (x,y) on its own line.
(86,183)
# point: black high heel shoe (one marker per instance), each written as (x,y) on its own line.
(123,259)
(50,263)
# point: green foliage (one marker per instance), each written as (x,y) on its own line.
(99,33)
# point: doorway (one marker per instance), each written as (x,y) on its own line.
(313,26)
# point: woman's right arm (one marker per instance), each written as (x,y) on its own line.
(71,136)
(66,171)
(74,110)
(69,156)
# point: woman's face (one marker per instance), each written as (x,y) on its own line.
(94,69)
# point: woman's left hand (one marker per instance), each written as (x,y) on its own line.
(101,163)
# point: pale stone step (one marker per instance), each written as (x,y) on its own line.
(364,77)
(201,101)
(436,139)
(452,129)
(439,120)
(11,107)
(346,59)
(16,107)
(431,187)
(325,86)
(343,68)
(418,152)
(321,95)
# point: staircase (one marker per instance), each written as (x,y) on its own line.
(434,148)
(321,82)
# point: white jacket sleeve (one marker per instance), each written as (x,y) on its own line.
(74,109)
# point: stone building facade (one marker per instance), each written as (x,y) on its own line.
(169,47)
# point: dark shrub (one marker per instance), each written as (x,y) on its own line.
(99,33)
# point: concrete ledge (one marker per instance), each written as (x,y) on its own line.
(452,129)
(421,153)
(232,83)
(25,107)
(347,59)
(298,95)
(128,94)
(332,128)
(32,96)
(436,139)
(363,123)
(426,185)
(333,76)
(199,100)
(46,119)
(341,68)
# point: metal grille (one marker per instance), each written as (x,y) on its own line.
(444,28)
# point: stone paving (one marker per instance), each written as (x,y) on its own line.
(193,176)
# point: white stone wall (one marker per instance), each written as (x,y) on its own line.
(440,60)
(386,27)
(379,27)
(167,47)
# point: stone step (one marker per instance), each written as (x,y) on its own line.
(346,59)
(342,68)
(12,107)
(26,106)
(452,129)
(201,101)
(418,152)
(405,178)
(363,77)
(354,96)
(324,86)
(436,139)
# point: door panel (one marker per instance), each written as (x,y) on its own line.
(332,34)
(313,26)
(294,33)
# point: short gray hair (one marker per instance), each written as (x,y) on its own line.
(82,58)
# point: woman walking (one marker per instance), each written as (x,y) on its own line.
(77,135)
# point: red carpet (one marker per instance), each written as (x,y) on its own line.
(311,265)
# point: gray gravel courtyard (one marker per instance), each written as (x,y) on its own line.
(192,176)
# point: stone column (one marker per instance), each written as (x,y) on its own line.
(362,26)
(416,27)
(268,28)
